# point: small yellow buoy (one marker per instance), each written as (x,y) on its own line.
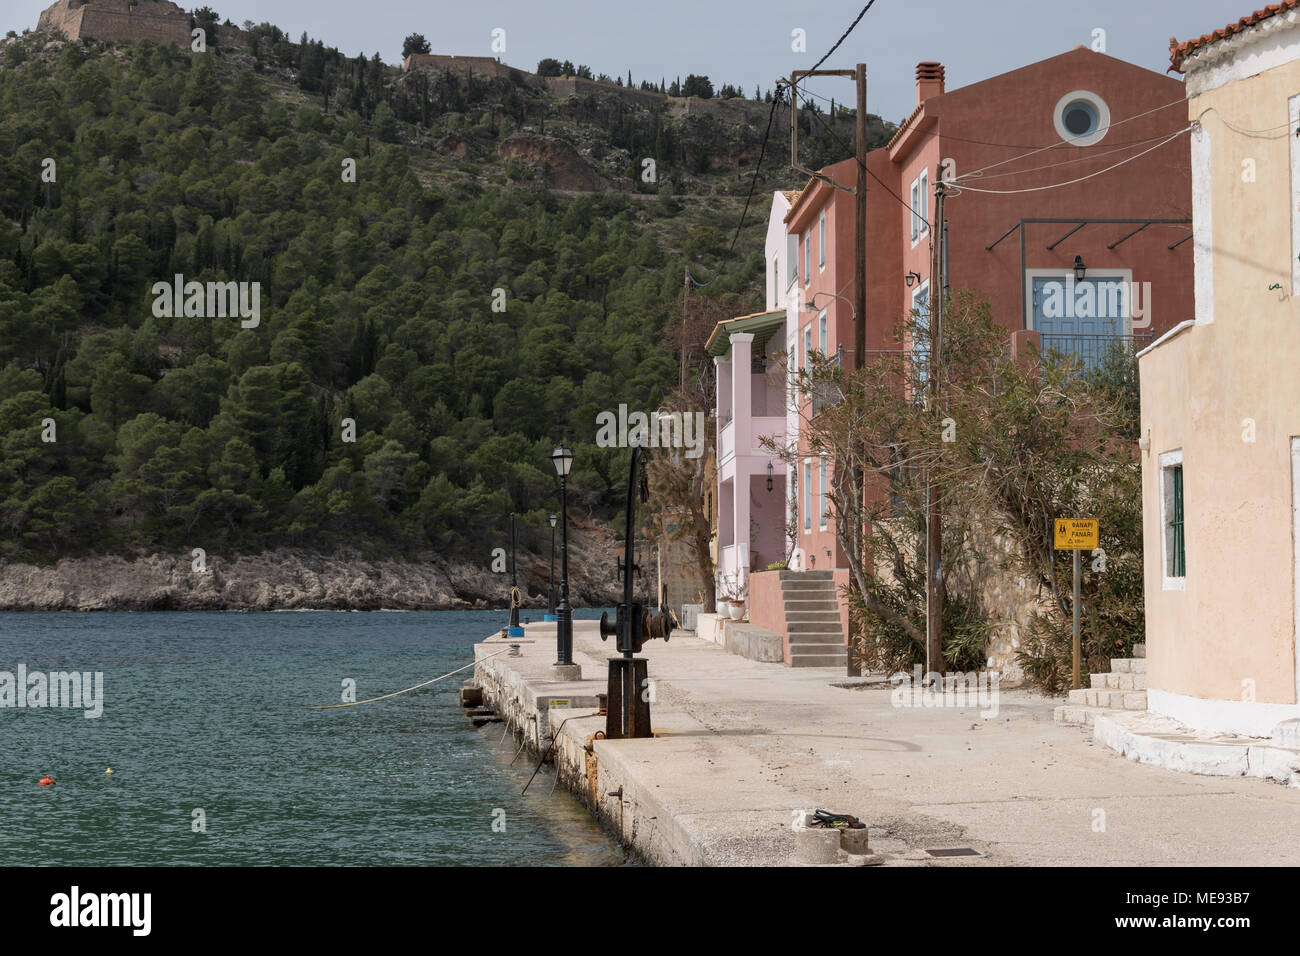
(109,770)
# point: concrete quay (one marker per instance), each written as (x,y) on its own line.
(744,748)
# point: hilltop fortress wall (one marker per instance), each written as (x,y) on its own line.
(118,20)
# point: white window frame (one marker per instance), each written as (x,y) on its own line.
(807,257)
(822,519)
(807,496)
(821,242)
(924,183)
(924,289)
(821,332)
(1099,107)
(915,187)
(1167,460)
(807,346)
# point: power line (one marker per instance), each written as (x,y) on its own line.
(1082,159)
(776,98)
(845,146)
(976,172)
(1027,146)
(1247,132)
(844,36)
(958,188)
(762,151)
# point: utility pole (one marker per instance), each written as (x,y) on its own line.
(860,227)
(860,311)
(934,513)
(686,292)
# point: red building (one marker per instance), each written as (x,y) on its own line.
(1074,165)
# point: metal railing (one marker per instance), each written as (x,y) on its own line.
(1092,349)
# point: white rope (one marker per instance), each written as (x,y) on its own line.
(407,691)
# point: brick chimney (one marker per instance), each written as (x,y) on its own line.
(929,81)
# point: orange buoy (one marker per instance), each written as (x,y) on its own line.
(46,781)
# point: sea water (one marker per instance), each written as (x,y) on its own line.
(217,761)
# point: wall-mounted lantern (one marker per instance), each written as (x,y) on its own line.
(913,278)
(769,476)
(1080,270)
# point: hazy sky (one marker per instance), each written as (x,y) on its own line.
(744,42)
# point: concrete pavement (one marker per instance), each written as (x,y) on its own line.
(742,746)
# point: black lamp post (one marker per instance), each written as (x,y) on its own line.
(562,458)
(550,588)
(514,583)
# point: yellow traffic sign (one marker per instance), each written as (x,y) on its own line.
(1072,533)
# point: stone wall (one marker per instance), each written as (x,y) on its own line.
(479,65)
(118,21)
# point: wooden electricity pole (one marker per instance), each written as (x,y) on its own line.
(686,292)
(934,513)
(860,227)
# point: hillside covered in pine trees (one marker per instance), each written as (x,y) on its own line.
(468,301)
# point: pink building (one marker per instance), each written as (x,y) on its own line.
(1045,218)
(751,477)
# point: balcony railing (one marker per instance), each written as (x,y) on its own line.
(827,393)
(1092,349)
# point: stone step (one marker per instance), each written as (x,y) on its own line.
(811,604)
(1118,681)
(784,576)
(818,637)
(1128,665)
(821,659)
(788,587)
(805,617)
(1111,699)
(1083,716)
(813,627)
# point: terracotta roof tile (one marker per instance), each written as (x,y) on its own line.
(1178,52)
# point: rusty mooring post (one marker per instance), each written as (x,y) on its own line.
(628,711)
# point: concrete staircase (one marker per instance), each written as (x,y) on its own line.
(1123,688)
(812,619)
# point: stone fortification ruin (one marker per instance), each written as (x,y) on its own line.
(118,21)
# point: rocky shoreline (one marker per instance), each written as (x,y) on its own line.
(290,579)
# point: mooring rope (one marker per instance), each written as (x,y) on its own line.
(546,753)
(399,692)
(516,597)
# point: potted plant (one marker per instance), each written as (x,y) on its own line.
(734,594)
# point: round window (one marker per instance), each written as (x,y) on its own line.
(1081,118)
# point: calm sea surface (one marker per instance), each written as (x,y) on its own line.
(204,711)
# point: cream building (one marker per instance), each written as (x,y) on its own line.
(1221,399)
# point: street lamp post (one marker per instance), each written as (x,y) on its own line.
(562,458)
(550,588)
(514,583)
